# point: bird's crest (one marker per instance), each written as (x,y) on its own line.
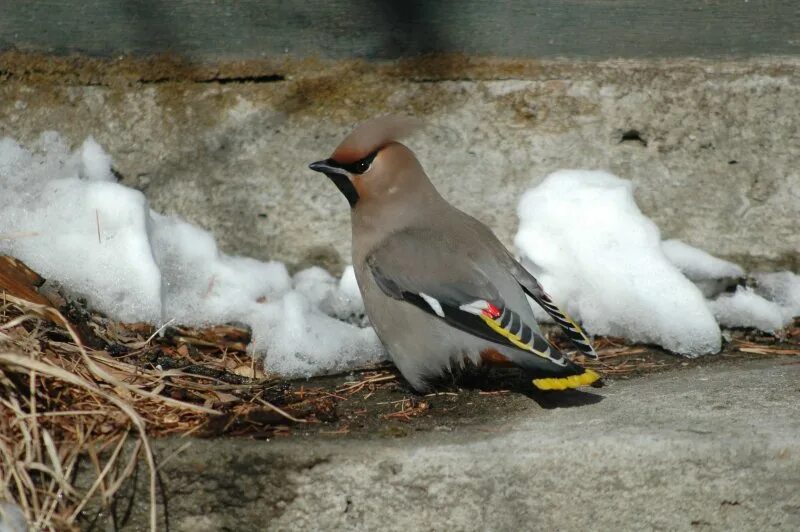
(372,135)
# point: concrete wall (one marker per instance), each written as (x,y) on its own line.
(718,163)
(222,105)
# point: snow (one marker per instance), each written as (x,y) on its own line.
(745,308)
(769,306)
(345,302)
(89,234)
(302,332)
(314,283)
(710,274)
(696,264)
(199,281)
(65,215)
(583,236)
(593,250)
(783,288)
(95,163)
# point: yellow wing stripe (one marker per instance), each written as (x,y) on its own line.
(513,338)
(564,383)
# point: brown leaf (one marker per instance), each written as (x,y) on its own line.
(20,281)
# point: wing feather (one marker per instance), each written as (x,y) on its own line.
(573,331)
(473,306)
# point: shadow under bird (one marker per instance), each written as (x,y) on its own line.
(438,286)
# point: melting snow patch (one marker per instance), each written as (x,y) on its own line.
(64,214)
(303,332)
(783,288)
(709,273)
(62,217)
(697,264)
(583,236)
(745,308)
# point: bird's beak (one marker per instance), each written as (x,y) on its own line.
(325,167)
(340,178)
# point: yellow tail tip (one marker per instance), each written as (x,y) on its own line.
(565,383)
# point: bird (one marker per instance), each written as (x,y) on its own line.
(439,287)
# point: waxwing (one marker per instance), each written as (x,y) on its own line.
(438,286)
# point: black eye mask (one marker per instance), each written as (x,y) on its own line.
(358,167)
(331,168)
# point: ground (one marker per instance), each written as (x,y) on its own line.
(366,404)
(707,447)
(667,442)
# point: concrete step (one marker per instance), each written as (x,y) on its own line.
(711,448)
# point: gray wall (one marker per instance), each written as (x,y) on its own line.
(718,164)
(202,30)
(221,131)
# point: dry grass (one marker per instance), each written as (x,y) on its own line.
(66,405)
(55,396)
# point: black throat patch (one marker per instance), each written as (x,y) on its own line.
(341,179)
(345,186)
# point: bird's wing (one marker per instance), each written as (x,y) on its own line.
(531,286)
(419,268)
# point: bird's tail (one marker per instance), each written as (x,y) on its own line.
(549,375)
(586,378)
(573,331)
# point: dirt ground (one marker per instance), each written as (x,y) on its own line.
(365,403)
(211,370)
(361,404)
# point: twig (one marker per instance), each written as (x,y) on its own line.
(281,412)
(97,221)
(158,331)
(14,236)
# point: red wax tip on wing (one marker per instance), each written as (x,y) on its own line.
(491,311)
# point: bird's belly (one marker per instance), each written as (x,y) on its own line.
(421,346)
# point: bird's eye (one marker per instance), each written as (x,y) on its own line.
(359,167)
